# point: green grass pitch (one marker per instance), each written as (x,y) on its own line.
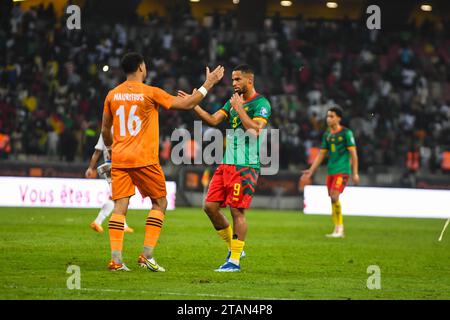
(288,257)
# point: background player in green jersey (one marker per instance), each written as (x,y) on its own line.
(234,181)
(338,142)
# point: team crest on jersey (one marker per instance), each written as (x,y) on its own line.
(340,138)
(263,112)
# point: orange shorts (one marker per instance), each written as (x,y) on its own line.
(150,181)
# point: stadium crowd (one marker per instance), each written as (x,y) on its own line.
(394,87)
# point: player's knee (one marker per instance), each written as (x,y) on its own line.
(119,210)
(165,203)
(334,198)
(207,207)
(121,206)
(160,204)
(238,213)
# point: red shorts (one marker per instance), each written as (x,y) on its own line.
(337,182)
(232,186)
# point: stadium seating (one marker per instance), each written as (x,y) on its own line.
(395,89)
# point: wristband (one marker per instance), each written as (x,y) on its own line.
(203,91)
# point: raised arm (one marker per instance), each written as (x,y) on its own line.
(190,101)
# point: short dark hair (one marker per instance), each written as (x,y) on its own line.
(244,68)
(131,61)
(338,110)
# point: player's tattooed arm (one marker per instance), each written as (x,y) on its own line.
(252,126)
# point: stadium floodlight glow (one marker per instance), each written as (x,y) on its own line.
(426,7)
(286,3)
(105,68)
(332,5)
(235,1)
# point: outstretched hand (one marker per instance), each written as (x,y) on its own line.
(182,94)
(216,75)
(185,95)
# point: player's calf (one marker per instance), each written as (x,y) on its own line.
(219,221)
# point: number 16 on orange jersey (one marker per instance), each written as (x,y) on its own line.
(133,123)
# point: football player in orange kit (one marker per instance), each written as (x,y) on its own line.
(131,109)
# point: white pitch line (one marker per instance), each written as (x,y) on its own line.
(156,293)
(184,294)
(206,294)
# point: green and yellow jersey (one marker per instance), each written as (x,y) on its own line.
(242,149)
(338,144)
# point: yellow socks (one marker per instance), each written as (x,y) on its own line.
(337,214)
(237,246)
(226,234)
(234,245)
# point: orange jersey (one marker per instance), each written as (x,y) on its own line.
(134,108)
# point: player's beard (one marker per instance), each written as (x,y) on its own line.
(242,90)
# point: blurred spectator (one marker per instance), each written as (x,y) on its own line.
(5,146)
(393,89)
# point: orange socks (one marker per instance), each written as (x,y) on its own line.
(153,227)
(116,227)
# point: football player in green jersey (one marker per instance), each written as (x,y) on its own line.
(233,183)
(339,144)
